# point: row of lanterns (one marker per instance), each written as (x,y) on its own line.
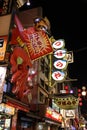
(81,93)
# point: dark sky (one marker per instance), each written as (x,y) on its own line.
(68,20)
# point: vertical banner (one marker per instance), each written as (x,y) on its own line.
(2,80)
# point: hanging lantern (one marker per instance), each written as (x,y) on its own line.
(59,44)
(60,64)
(60,53)
(58,76)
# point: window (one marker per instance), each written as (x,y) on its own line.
(42,83)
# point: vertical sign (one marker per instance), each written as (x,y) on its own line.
(3,43)
(2,80)
(60,64)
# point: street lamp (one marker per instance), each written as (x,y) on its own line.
(83,91)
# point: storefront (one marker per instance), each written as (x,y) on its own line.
(5,121)
(6,113)
(52,120)
(27,121)
(16,120)
(22,118)
(47,125)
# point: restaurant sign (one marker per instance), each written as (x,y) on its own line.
(59,44)
(60,64)
(52,114)
(58,75)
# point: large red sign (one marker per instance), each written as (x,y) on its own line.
(38,43)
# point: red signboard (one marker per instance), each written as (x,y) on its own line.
(52,114)
(38,43)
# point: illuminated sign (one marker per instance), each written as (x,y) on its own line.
(58,75)
(59,44)
(7,109)
(60,53)
(1,107)
(2,80)
(69,102)
(59,60)
(60,64)
(70,57)
(70,113)
(52,114)
(3,43)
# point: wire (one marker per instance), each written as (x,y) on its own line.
(81,49)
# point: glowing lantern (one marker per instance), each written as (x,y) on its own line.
(59,44)
(60,53)
(60,64)
(58,75)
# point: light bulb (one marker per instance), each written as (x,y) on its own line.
(28,2)
(83,93)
